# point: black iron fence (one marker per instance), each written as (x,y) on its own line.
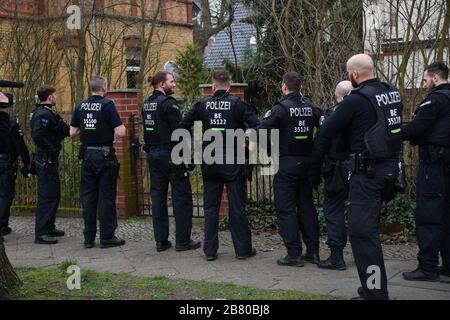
(26,189)
(259,189)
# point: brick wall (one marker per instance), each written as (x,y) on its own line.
(176,35)
(130,181)
(25,8)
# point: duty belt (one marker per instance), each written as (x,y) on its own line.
(104,149)
(361,164)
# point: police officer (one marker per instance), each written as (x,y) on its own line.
(296,118)
(430,130)
(97,122)
(16,145)
(219,113)
(372,117)
(161,117)
(48,130)
(335,172)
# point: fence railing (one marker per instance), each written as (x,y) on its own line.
(259,189)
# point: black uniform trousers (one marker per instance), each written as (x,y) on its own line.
(8,174)
(335,204)
(98,190)
(294,203)
(161,173)
(433,215)
(230,176)
(49,194)
(365,199)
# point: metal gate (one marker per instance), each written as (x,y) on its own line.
(139,164)
(260,187)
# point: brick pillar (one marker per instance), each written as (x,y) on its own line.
(237,89)
(128,192)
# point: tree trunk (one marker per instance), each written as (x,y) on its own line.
(8,277)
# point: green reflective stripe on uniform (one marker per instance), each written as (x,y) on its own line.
(396,131)
(218,129)
(301,137)
(90,128)
(149,129)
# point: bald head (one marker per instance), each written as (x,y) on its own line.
(3,98)
(343,89)
(360,68)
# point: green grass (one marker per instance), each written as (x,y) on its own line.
(50,284)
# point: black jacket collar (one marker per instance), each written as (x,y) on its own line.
(46,106)
(371,81)
(221,94)
(157,93)
(444,86)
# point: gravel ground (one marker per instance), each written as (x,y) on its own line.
(141,229)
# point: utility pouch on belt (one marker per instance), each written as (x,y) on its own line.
(42,161)
(357,163)
(334,184)
(42,165)
(361,165)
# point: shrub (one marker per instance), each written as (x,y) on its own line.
(261,217)
(191,72)
(401,211)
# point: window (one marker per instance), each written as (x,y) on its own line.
(133,69)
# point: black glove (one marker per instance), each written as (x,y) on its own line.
(190,167)
(315,178)
(33,169)
(64,129)
(26,172)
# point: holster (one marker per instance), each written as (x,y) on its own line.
(359,164)
(114,169)
(41,164)
(334,184)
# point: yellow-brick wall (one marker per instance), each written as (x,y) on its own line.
(169,38)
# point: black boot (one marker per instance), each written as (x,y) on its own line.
(111,243)
(192,245)
(420,275)
(335,261)
(291,261)
(4,231)
(55,233)
(444,272)
(45,239)
(312,257)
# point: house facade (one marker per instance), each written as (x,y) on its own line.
(118,39)
(406,35)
